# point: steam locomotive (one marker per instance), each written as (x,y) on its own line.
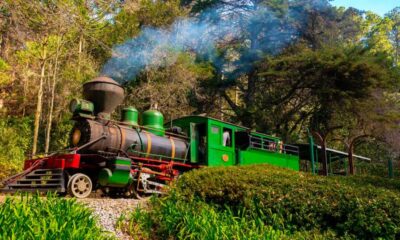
(136,160)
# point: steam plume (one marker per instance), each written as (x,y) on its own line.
(264,31)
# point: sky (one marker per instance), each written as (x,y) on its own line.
(378,6)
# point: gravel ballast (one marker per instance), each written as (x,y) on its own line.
(108,210)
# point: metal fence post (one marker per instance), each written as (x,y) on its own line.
(311,142)
(390,168)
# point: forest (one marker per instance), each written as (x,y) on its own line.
(276,66)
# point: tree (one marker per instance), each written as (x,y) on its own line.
(181,78)
(377,31)
(37,54)
(267,27)
(394,33)
(52,92)
(303,86)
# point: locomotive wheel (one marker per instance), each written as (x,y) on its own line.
(80,185)
(131,192)
(139,194)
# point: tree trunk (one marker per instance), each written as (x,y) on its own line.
(351,160)
(80,53)
(396,53)
(3,44)
(25,90)
(350,151)
(38,112)
(323,156)
(51,106)
(325,167)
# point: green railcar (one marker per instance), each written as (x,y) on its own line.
(218,143)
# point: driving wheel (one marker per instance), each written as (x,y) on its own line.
(80,185)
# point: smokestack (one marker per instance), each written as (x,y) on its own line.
(105,93)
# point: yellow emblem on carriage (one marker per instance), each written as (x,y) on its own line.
(225,157)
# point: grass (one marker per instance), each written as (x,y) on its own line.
(194,221)
(35,217)
(265,202)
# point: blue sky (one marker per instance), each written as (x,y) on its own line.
(378,6)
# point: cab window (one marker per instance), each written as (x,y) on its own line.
(227,137)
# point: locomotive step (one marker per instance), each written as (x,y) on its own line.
(40,177)
(45,171)
(34,181)
(33,185)
(44,174)
(10,190)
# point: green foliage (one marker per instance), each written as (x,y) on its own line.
(375,180)
(182,76)
(376,169)
(313,86)
(61,133)
(126,26)
(17,138)
(3,65)
(394,33)
(35,217)
(159,13)
(131,17)
(274,201)
(178,219)
(4,68)
(377,31)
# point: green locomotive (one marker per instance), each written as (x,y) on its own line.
(123,157)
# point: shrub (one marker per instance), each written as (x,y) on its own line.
(379,169)
(265,202)
(301,202)
(16,140)
(34,217)
(194,220)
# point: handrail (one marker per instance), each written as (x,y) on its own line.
(144,127)
(272,146)
(156,155)
(291,149)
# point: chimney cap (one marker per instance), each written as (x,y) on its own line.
(103,79)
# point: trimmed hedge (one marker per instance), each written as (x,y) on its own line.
(300,201)
(266,202)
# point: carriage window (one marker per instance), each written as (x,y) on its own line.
(227,137)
